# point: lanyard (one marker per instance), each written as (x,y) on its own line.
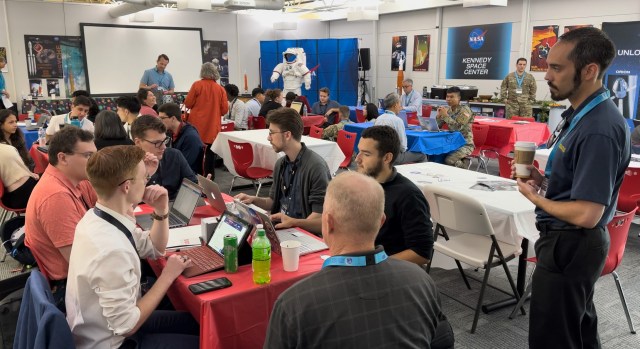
(520,79)
(406,98)
(110,219)
(354,261)
(574,121)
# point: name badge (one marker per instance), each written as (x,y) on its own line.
(519,91)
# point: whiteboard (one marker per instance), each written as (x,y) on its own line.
(117,56)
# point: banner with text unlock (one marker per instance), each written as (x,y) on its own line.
(479,52)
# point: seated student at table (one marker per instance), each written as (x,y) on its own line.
(150,134)
(128,109)
(371,112)
(458,118)
(77,117)
(407,232)
(411,100)
(373,301)
(104,307)
(326,107)
(299,178)
(255,103)
(109,130)
(12,135)
(274,101)
(147,101)
(390,118)
(331,132)
(184,136)
(16,177)
(237,109)
(57,203)
(293,97)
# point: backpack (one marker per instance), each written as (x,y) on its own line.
(12,234)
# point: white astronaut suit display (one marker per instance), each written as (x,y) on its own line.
(293,70)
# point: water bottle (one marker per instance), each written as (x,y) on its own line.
(304,110)
(261,257)
(42,135)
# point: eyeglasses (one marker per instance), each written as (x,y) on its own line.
(159,144)
(146,177)
(406,86)
(271,133)
(85,155)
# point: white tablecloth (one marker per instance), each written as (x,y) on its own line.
(542,155)
(511,214)
(264,155)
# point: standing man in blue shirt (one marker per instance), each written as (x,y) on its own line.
(411,101)
(157,78)
(576,196)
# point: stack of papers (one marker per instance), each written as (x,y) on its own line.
(184,237)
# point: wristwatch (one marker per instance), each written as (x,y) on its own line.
(158,217)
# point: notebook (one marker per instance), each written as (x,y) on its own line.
(182,210)
(213,193)
(211,256)
(297,106)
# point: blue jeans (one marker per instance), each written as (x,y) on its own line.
(166,329)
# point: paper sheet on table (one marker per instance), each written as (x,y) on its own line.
(184,237)
(7,103)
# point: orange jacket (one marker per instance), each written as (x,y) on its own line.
(208,102)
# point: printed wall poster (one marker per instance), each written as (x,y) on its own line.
(53,87)
(3,54)
(421,52)
(35,88)
(73,64)
(543,39)
(399,53)
(622,76)
(216,52)
(568,28)
(479,52)
(44,58)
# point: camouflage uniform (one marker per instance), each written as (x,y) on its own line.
(518,104)
(459,119)
(331,132)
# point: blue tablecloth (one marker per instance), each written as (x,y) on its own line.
(430,143)
(29,136)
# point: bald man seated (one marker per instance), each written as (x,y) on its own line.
(351,296)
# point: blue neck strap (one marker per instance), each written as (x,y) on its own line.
(574,121)
(354,261)
(519,79)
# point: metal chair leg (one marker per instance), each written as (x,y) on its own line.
(464,277)
(232,180)
(259,187)
(523,298)
(482,288)
(624,302)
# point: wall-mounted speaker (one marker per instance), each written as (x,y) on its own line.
(364,59)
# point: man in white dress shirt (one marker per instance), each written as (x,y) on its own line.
(390,118)
(104,304)
(411,101)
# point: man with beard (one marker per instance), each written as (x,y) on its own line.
(300,178)
(576,195)
(407,232)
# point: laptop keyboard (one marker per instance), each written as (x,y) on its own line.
(203,258)
(174,221)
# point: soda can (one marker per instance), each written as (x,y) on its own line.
(230,250)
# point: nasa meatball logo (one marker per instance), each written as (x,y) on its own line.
(476,38)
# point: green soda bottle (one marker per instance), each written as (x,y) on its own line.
(261,257)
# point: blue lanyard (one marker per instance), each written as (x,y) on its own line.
(576,119)
(390,112)
(353,261)
(406,98)
(519,80)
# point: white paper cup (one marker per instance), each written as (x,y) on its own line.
(524,153)
(290,254)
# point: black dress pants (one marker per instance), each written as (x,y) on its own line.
(562,313)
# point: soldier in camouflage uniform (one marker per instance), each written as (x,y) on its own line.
(518,91)
(331,132)
(458,118)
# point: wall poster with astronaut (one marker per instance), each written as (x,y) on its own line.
(543,39)
(399,53)
(217,53)
(622,76)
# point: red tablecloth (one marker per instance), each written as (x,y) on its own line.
(311,120)
(503,133)
(238,316)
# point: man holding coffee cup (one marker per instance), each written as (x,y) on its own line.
(576,196)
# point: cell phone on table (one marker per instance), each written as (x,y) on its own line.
(210,285)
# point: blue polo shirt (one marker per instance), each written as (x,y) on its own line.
(153,76)
(590,163)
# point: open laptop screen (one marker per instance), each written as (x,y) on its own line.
(297,106)
(229,224)
(187,199)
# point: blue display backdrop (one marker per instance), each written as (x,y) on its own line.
(337,60)
(622,76)
(479,52)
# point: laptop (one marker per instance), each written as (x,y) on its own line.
(210,257)
(297,106)
(41,122)
(182,209)
(429,124)
(213,193)
(403,116)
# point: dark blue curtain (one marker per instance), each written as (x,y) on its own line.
(338,70)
